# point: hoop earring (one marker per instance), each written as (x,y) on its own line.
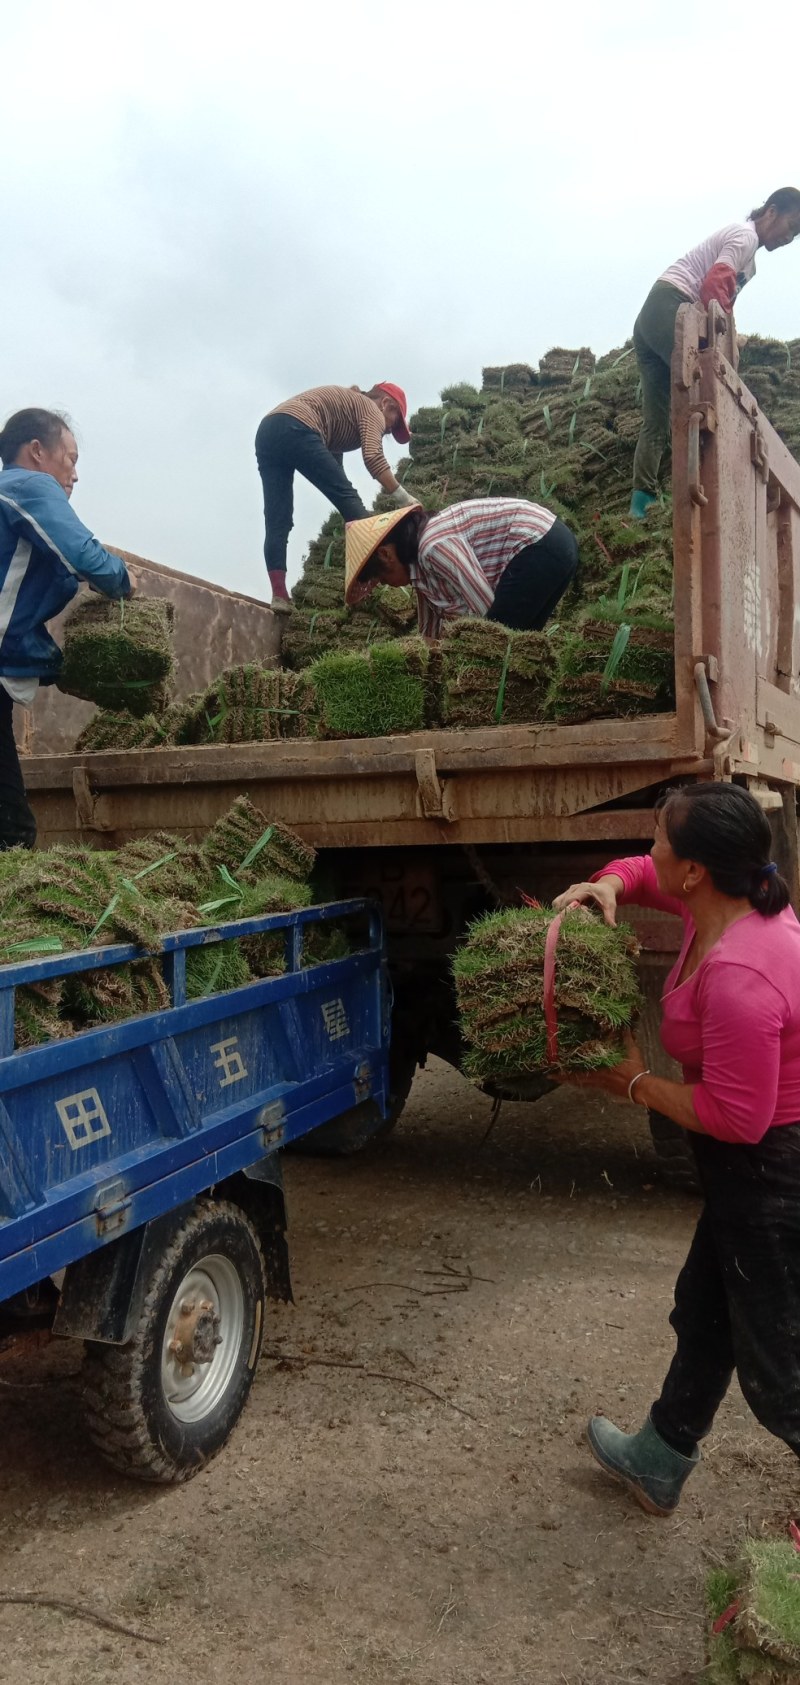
(685,888)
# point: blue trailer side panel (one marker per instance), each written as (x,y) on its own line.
(111,1128)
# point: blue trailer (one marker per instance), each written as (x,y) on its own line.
(141,1200)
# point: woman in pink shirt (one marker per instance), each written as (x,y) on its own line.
(731,1018)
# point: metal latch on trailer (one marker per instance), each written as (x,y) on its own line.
(434,799)
(702,419)
(111,1207)
(86,802)
(705,670)
(758,453)
(270,1122)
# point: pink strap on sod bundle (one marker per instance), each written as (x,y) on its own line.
(550,1014)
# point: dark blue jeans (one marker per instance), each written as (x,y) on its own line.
(737,1298)
(17,824)
(285,447)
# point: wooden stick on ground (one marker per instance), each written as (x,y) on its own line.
(80,1613)
(372,1374)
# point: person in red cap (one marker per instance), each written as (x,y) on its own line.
(308,435)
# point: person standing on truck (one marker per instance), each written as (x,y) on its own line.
(716,269)
(731,1018)
(308,435)
(498,558)
(45,551)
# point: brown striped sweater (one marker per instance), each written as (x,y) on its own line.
(345,418)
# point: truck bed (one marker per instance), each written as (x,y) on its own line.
(736,501)
(504,784)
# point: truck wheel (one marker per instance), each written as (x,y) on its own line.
(675,1156)
(348,1133)
(162,1405)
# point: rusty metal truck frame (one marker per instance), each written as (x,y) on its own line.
(443,823)
(736,492)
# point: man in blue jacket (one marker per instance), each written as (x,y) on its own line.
(45,552)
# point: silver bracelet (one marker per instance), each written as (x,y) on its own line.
(633,1082)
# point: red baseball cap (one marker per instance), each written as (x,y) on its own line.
(400,430)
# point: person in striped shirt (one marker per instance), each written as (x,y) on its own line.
(308,435)
(498,558)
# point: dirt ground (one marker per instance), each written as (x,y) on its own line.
(435,1517)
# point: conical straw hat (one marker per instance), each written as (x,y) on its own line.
(361,540)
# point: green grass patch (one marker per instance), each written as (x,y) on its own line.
(499,978)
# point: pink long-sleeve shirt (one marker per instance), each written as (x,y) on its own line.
(734,1025)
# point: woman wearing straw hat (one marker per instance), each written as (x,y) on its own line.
(716,269)
(498,558)
(731,1017)
(307,435)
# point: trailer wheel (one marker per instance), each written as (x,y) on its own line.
(675,1157)
(162,1405)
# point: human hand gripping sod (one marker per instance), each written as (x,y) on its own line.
(603,893)
(614,1082)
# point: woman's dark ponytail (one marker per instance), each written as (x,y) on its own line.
(769,892)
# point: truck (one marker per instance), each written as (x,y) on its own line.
(141,1197)
(443,824)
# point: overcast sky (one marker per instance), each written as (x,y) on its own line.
(207,208)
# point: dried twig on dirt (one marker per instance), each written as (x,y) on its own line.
(80,1613)
(372,1375)
(460,1286)
(461,1275)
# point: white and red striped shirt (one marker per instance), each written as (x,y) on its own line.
(465,550)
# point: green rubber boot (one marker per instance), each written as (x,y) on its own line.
(643,1462)
(641,501)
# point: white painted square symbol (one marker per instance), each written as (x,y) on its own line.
(83,1118)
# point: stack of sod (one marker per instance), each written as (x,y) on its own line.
(322,622)
(560,367)
(493,676)
(242,706)
(182,723)
(760,1643)
(119,654)
(375,693)
(298,705)
(628,560)
(67,899)
(107,730)
(771,370)
(511,377)
(166,865)
(247,704)
(244,841)
(614,660)
(264,867)
(563,436)
(499,977)
(309,635)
